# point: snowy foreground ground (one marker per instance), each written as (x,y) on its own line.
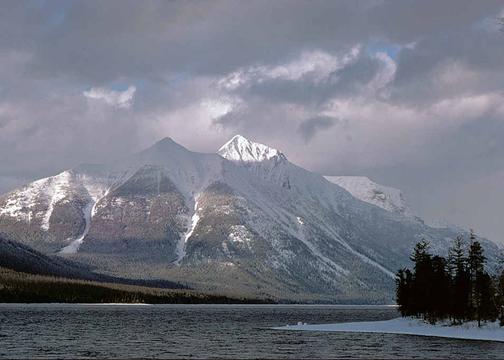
(408,326)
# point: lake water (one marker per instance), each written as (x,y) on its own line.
(203,331)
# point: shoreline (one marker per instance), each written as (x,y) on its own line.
(409,326)
(342,306)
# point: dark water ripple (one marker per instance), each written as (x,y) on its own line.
(205,331)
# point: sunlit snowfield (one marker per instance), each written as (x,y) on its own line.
(202,331)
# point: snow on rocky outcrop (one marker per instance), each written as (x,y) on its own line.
(365,189)
(20,204)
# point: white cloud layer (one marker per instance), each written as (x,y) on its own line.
(121,99)
(313,65)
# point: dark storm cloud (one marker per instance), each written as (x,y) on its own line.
(417,77)
(106,40)
(306,90)
(309,128)
(419,84)
(103,41)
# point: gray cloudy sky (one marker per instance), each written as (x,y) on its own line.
(409,93)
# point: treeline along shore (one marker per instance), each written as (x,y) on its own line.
(458,288)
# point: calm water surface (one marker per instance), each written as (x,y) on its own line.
(203,331)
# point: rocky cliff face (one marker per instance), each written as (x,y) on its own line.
(243,221)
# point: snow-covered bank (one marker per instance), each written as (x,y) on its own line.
(408,326)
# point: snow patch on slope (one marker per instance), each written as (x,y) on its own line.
(317,253)
(18,204)
(48,192)
(75,244)
(368,260)
(56,192)
(364,189)
(360,255)
(240,234)
(89,211)
(51,190)
(181,246)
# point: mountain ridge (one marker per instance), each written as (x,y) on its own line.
(244,220)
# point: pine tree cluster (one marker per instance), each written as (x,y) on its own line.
(457,289)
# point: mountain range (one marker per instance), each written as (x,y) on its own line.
(243,221)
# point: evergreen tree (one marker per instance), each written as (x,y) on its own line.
(461,284)
(422,276)
(441,282)
(478,279)
(500,297)
(404,281)
(499,289)
(484,298)
(476,260)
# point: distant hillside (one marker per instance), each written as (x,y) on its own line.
(19,287)
(22,258)
(19,257)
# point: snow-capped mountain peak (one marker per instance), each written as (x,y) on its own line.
(241,149)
